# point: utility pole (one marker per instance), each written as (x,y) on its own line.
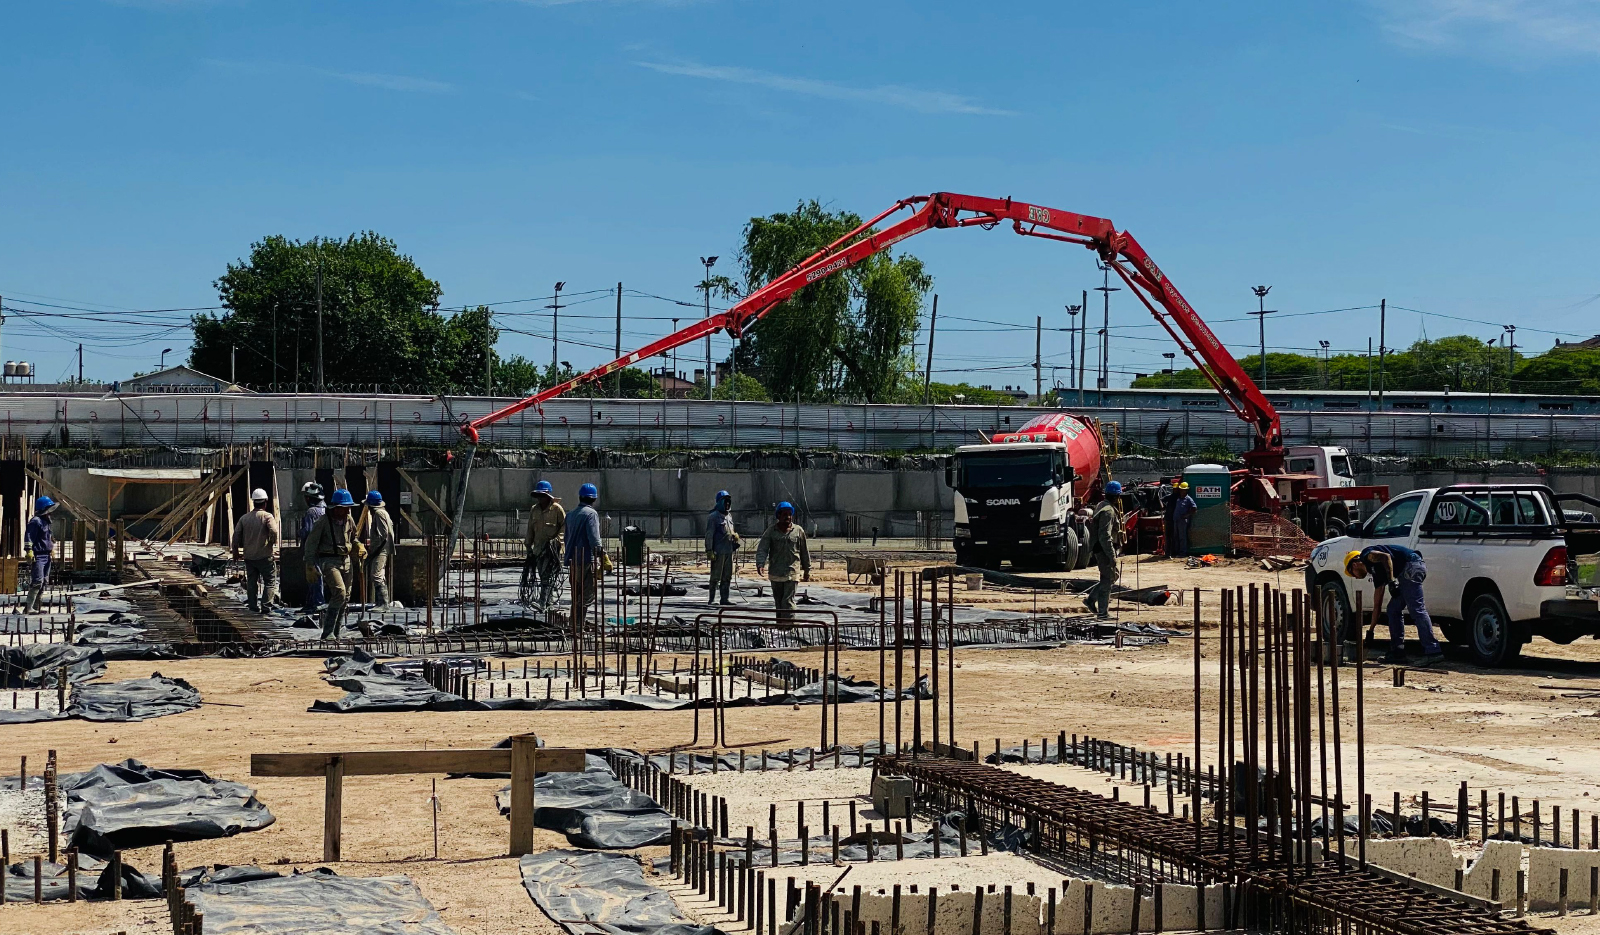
(3,320)
(1511,352)
(1038,373)
(1383,324)
(1072,341)
(708,261)
(488,351)
(1083,341)
(616,385)
(233,363)
(274,382)
(1261,318)
(80,363)
(1369,373)
(321,386)
(1103,377)
(1324,345)
(674,359)
(555,333)
(927,373)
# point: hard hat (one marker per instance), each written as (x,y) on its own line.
(1113,488)
(1349,557)
(312,489)
(785,506)
(341,497)
(259,495)
(543,487)
(374,498)
(43,505)
(1183,485)
(588,492)
(723,495)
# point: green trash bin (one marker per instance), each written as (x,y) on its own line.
(1212,528)
(633,546)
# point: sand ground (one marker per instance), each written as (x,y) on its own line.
(1515,730)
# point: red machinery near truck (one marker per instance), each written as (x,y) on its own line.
(1262,485)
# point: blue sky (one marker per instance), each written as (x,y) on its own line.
(1438,153)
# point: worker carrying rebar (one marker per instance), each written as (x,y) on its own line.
(1183,509)
(547,519)
(721,543)
(1105,526)
(331,544)
(781,546)
(584,550)
(1403,570)
(315,509)
(255,541)
(378,536)
(41,542)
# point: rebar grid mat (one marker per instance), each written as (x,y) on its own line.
(1126,842)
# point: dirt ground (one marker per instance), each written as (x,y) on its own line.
(1513,730)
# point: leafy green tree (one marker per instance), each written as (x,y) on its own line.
(1560,371)
(954,394)
(740,386)
(843,336)
(381,322)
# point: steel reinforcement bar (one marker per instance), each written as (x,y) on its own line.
(1127,842)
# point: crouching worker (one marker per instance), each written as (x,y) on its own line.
(782,545)
(1403,570)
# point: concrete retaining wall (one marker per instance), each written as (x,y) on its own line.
(1112,910)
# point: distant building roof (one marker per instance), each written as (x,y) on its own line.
(1591,344)
(179,379)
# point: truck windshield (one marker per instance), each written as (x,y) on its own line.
(1341,466)
(1031,469)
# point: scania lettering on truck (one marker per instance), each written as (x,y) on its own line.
(1015,497)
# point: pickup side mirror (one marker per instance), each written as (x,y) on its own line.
(949,474)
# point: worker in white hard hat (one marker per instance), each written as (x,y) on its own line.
(255,540)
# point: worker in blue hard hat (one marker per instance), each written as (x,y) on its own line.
(331,544)
(377,534)
(541,566)
(41,542)
(721,543)
(584,550)
(781,547)
(1105,541)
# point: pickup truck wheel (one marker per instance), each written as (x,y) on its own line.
(1494,641)
(1336,609)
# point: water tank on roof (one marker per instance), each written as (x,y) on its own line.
(11,368)
(24,368)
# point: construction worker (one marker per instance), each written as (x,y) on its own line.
(1105,523)
(379,539)
(312,492)
(1403,570)
(584,549)
(255,540)
(330,544)
(781,545)
(721,543)
(42,543)
(1183,508)
(547,519)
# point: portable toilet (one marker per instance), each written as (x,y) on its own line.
(1212,528)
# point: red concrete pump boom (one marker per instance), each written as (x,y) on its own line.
(943,210)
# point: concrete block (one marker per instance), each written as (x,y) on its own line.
(1180,908)
(1505,856)
(1544,876)
(1430,860)
(953,913)
(1113,909)
(892,795)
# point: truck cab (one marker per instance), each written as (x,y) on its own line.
(1015,502)
(1321,466)
(1506,562)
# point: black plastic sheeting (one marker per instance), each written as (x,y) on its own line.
(38,665)
(377,686)
(53,877)
(316,903)
(128,804)
(594,809)
(585,892)
(130,700)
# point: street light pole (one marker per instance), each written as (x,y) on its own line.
(1072,341)
(1083,340)
(555,333)
(1103,375)
(1511,352)
(1324,345)
(708,261)
(1261,318)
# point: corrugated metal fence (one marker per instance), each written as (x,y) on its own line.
(197,420)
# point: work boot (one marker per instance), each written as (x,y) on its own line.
(1396,656)
(1427,660)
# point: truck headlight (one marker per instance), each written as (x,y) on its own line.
(963,531)
(1052,528)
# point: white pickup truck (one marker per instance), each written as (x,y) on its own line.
(1506,562)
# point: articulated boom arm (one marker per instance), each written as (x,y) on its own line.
(945,210)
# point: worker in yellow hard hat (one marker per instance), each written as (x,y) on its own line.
(1403,571)
(1183,510)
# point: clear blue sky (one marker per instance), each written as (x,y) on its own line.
(1441,154)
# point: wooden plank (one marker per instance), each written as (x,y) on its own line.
(427,501)
(524,754)
(332,807)
(397,762)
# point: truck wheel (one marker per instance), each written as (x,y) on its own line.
(1083,551)
(1494,640)
(1335,610)
(1069,550)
